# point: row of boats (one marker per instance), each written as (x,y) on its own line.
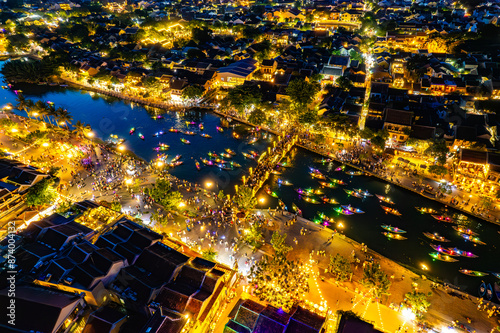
(487,291)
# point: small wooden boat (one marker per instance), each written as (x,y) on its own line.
(247,155)
(482,289)
(442,218)
(197,165)
(185,141)
(364,193)
(394,230)
(230,151)
(201,127)
(271,193)
(314,191)
(174,164)
(325,184)
(390,210)
(472,239)
(161,147)
(352,209)
(436,237)
(235,164)
(190,123)
(254,153)
(132,130)
(463,230)
(220,129)
(141,136)
(340,168)
(282,204)
(354,173)
(329,200)
(353,193)
(472,273)
(390,235)
(283,182)
(425,210)
(497,275)
(311,200)
(317,175)
(489,292)
(176,158)
(213,154)
(275,172)
(189,133)
(207,162)
(157,134)
(174,130)
(302,192)
(206,136)
(224,167)
(343,211)
(252,141)
(442,257)
(296,209)
(226,155)
(464,253)
(445,250)
(236,135)
(338,181)
(384,199)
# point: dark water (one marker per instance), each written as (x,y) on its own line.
(110,116)
(414,251)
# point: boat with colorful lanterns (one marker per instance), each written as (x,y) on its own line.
(390,235)
(387,200)
(394,230)
(390,210)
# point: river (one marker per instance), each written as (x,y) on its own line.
(111,116)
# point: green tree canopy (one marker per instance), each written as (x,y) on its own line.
(41,194)
(375,280)
(343,83)
(243,96)
(417,301)
(193,92)
(340,267)
(301,92)
(245,199)
(279,245)
(257,117)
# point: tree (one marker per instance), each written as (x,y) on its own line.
(438,170)
(195,54)
(201,35)
(417,301)
(41,194)
(244,96)
(116,206)
(302,92)
(245,199)
(486,202)
(253,235)
(378,142)
(279,281)
(172,200)
(209,254)
(279,245)
(375,280)
(340,267)
(81,129)
(162,194)
(438,150)
(257,117)
(221,196)
(343,83)
(193,92)
(308,116)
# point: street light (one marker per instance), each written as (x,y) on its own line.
(128,181)
(408,314)
(208,184)
(262,200)
(121,147)
(90,134)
